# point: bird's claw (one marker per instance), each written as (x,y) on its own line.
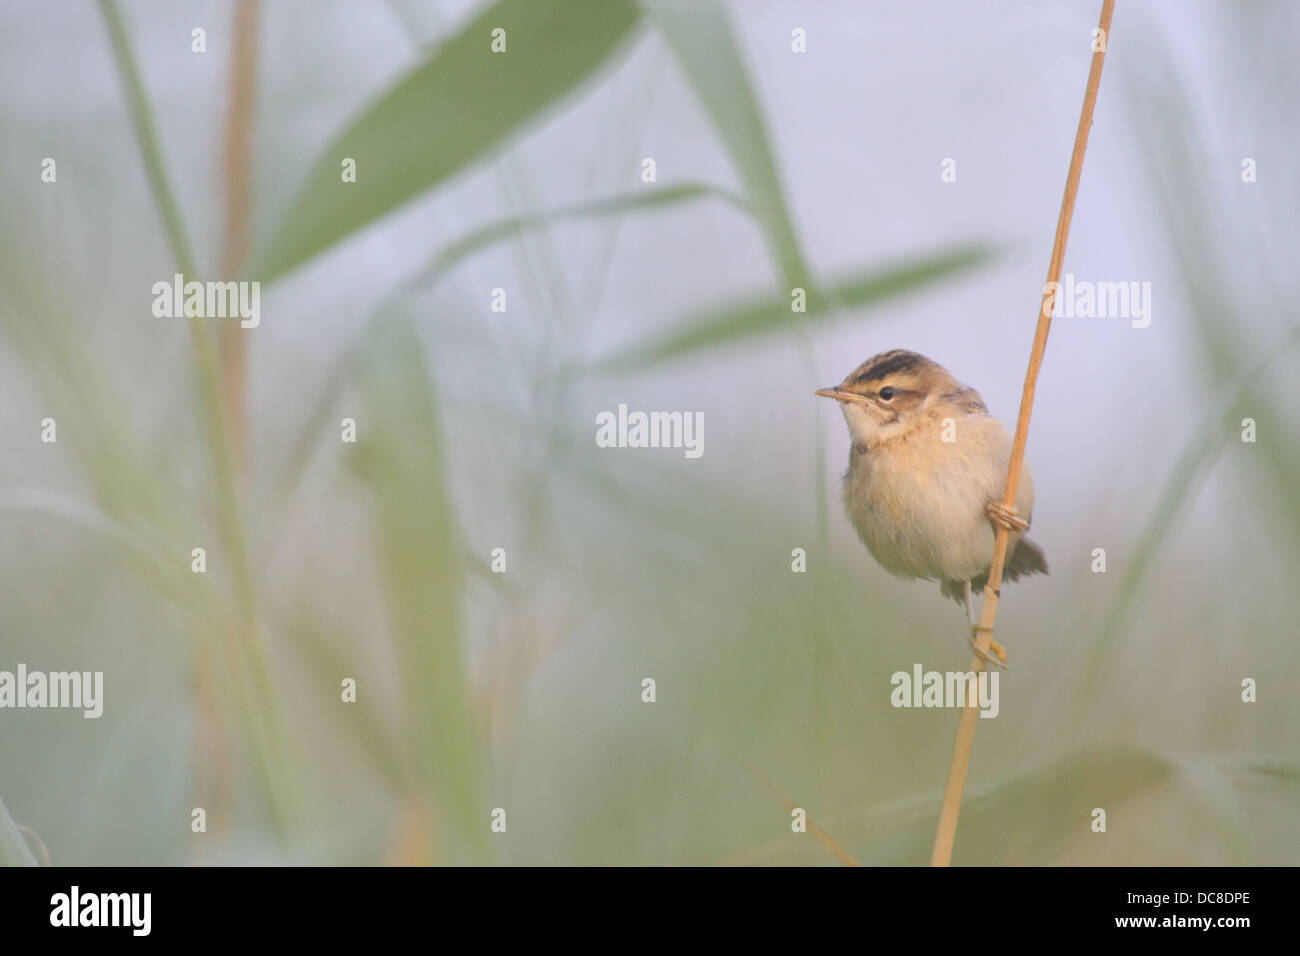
(1004,516)
(1000,660)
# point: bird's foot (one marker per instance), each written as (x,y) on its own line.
(1000,660)
(1003,516)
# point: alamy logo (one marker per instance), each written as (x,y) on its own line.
(208,300)
(72,689)
(75,908)
(651,430)
(951,689)
(1083,298)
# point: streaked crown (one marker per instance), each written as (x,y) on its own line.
(911,377)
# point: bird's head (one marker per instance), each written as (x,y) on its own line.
(885,396)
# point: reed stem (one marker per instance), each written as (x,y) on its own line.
(951,806)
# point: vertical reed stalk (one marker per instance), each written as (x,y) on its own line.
(248,671)
(951,807)
(210,738)
(237,175)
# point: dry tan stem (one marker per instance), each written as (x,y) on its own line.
(822,836)
(951,807)
(211,740)
(238,186)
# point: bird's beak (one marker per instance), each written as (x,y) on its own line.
(840,395)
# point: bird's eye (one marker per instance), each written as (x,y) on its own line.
(887,393)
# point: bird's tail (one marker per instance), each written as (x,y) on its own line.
(1028,558)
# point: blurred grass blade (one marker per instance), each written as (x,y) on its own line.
(146,131)
(701,39)
(1032,818)
(772,313)
(149,553)
(443,261)
(208,383)
(313,638)
(400,458)
(130,497)
(1050,808)
(1203,237)
(14,850)
(515,226)
(1193,465)
(1226,815)
(448,113)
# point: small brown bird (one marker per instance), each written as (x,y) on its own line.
(926,475)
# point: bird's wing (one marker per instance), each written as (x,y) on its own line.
(968,400)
